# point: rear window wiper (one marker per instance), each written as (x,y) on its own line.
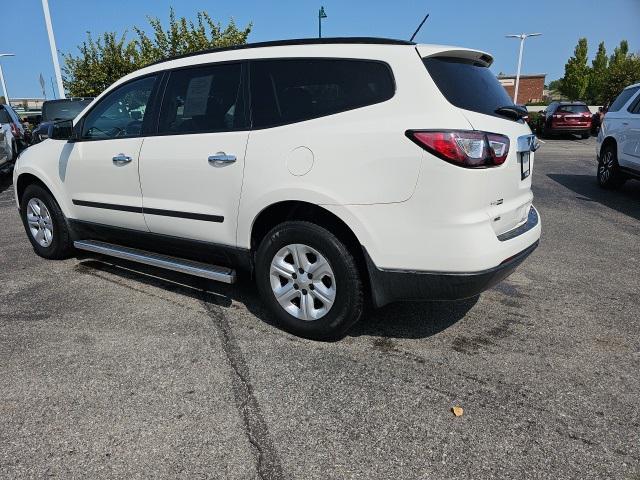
(516,112)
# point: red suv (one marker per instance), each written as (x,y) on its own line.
(565,117)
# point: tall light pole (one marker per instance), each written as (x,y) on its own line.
(4,85)
(321,15)
(522,37)
(54,50)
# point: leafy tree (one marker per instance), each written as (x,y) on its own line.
(103,61)
(555,84)
(576,73)
(598,76)
(624,69)
(2,100)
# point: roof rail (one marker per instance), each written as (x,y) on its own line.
(296,41)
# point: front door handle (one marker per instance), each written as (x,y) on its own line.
(220,159)
(121,159)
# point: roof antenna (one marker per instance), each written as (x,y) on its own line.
(418,29)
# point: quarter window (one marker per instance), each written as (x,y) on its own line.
(121,113)
(203,99)
(287,91)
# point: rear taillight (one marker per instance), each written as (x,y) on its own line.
(15,130)
(466,148)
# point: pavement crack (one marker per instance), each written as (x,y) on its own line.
(268,463)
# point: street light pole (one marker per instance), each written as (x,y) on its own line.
(54,50)
(522,38)
(321,14)
(4,85)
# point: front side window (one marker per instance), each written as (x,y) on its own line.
(4,116)
(287,91)
(623,98)
(121,113)
(203,99)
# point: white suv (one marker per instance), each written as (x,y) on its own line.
(332,170)
(618,143)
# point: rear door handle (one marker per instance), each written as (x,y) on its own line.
(121,159)
(220,159)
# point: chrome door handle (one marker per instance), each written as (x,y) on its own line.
(121,159)
(221,158)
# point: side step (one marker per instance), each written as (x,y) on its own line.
(212,272)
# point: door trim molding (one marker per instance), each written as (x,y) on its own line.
(151,211)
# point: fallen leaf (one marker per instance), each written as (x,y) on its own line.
(457,411)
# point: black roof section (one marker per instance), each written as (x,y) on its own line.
(295,41)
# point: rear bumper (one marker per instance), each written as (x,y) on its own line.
(570,129)
(392,285)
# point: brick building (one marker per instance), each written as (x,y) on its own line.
(531,87)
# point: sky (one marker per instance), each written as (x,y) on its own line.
(468,23)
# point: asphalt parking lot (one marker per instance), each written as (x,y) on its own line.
(115,371)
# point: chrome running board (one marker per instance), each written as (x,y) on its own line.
(212,272)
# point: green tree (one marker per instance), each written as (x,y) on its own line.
(598,76)
(103,61)
(555,84)
(576,73)
(624,69)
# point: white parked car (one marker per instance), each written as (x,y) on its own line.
(334,171)
(6,147)
(618,143)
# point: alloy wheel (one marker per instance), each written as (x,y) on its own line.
(40,222)
(605,167)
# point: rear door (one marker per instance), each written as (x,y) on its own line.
(633,148)
(468,84)
(191,169)
(620,124)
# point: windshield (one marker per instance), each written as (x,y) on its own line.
(468,85)
(64,110)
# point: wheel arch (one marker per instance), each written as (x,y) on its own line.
(289,210)
(26,178)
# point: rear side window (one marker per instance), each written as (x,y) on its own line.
(4,116)
(467,84)
(293,90)
(572,109)
(203,99)
(622,99)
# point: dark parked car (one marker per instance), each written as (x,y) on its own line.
(565,117)
(55,111)
(8,116)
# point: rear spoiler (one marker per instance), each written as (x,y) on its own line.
(482,58)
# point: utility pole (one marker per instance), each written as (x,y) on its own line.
(522,38)
(4,85)
(54,50)
(321,15)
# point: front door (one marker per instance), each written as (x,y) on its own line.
(191,170)
(100,170)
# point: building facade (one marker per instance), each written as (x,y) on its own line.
(531,89)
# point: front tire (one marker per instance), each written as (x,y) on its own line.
(309,280)
(609,174)
(45,224)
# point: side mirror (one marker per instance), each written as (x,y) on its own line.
(62,130)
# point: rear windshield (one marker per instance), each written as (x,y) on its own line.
(572,109)
(622,99)
(467,84)
(66,110)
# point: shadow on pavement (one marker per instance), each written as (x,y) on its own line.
(626,200)
(402,320)
(6,180)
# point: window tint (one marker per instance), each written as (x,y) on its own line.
(635,106)
(466,84)
(622,99)
(203,99)
(287,91)
(4,116)
(121,112)
(572,109)
(63,109)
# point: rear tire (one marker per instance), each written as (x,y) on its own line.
(609,175)
(45,224)
(320,306)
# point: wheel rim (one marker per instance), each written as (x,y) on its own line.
(40,222)
(303,282)
(605,167)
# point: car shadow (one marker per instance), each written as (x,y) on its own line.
(401,320)
(6,180)
(625,200)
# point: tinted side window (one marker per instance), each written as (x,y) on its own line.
(622,99)
(635,106)
(203,99)
(292,90)
(4,116)
(467,84)
(121,112)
